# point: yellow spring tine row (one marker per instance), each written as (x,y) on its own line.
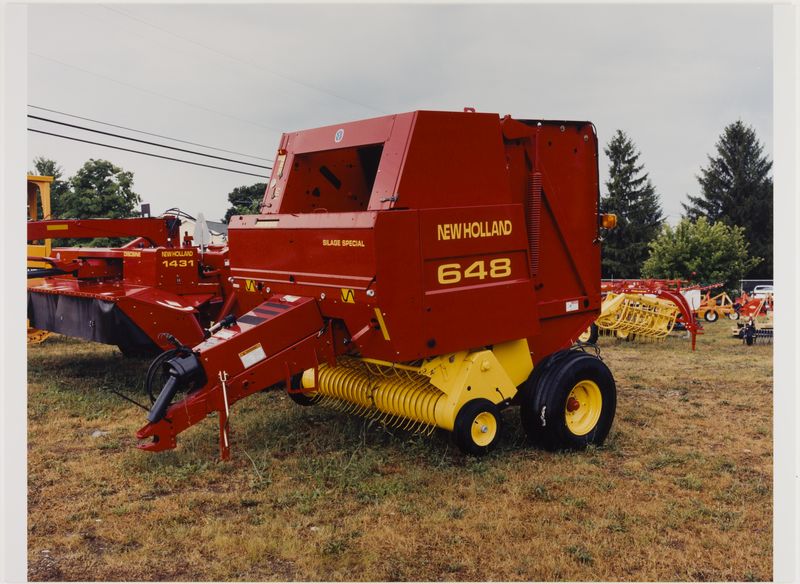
(396,397)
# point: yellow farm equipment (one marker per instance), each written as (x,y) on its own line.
(713,307)
(38,200)
(629,314)
(644,309)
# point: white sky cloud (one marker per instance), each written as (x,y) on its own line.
(234,77)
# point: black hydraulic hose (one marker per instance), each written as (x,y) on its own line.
(159,408)
(46,272)
(154,368)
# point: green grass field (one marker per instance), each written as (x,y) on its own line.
(682,490)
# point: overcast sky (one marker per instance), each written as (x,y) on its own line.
(235,77)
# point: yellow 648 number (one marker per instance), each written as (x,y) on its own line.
(453,273)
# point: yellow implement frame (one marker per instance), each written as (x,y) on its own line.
(720,305)
(38,193)
(39,190)
(637,314)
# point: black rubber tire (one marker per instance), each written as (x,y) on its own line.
(711,316)
(733,315)
(527,390)
(594,333)
(301,399)
(544,411)
(462,429)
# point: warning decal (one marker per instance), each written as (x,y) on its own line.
(250,285)
(348,296)
(253,355)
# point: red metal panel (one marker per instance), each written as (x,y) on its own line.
(316,249)
(454,159)
(395,150)
(156,230)
(373,131)
(462,257)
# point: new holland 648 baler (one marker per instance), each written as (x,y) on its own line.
(427,269)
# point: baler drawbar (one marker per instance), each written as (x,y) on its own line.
(425,269)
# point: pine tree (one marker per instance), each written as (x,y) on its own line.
(737,189)
(633,198)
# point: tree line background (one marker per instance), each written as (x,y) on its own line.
(724,235)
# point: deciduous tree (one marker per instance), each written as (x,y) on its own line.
(99,189)
(702,251)
(58,188)
(244,200)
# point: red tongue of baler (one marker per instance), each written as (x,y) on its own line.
(277,339)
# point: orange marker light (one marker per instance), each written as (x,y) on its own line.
(608,220)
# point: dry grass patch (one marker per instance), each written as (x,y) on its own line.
(682,490)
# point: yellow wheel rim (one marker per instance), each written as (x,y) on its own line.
(583,408)
(484,429)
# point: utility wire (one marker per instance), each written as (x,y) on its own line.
(146,142)
(237,59)
(157,94)
(147,133)
(146,153)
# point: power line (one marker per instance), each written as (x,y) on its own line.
(148,133)
(146,153)
(161,95)
(146,142)
(234,58)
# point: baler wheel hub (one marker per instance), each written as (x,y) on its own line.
(583,408)
(484,429)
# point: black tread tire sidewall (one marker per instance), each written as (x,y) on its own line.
(555,388)
(713,319)
(528,393)
(462,428)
